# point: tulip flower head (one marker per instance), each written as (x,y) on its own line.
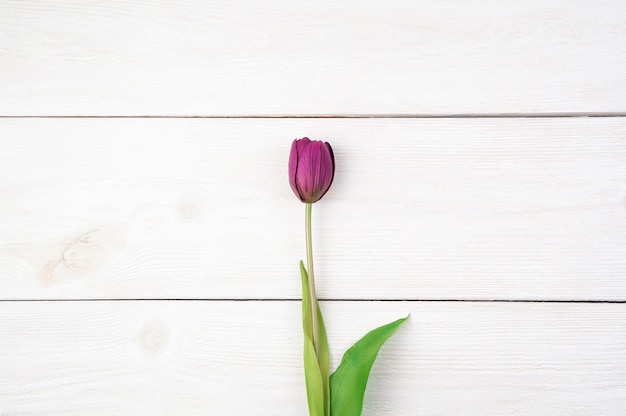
(311,169)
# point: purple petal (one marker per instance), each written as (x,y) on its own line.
(329,168)
(305,172)
(293,167)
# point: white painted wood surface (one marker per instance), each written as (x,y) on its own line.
(69,57)
(199,358)
(100,214)
(420,209)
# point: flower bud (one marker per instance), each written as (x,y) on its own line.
(311,169)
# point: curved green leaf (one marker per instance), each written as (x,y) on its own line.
(316,375)
(348,382)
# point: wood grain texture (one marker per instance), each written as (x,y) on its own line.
(143,208)
(234,358)
(295,57)
(420,209)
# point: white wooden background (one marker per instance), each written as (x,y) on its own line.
(149,240)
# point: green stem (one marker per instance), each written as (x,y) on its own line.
(312,295)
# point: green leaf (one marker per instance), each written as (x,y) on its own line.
(348,382)
(313,380)
(316,375)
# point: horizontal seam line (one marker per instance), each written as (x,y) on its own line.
(321,300)
(333,116)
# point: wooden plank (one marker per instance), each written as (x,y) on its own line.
(420,209)
(246,57)
(198,358)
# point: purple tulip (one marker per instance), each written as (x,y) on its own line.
(311,169)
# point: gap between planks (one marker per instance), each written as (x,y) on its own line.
(321,300)
(340,116)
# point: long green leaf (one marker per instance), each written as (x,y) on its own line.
(316,375)
(348,382)
(313,380)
